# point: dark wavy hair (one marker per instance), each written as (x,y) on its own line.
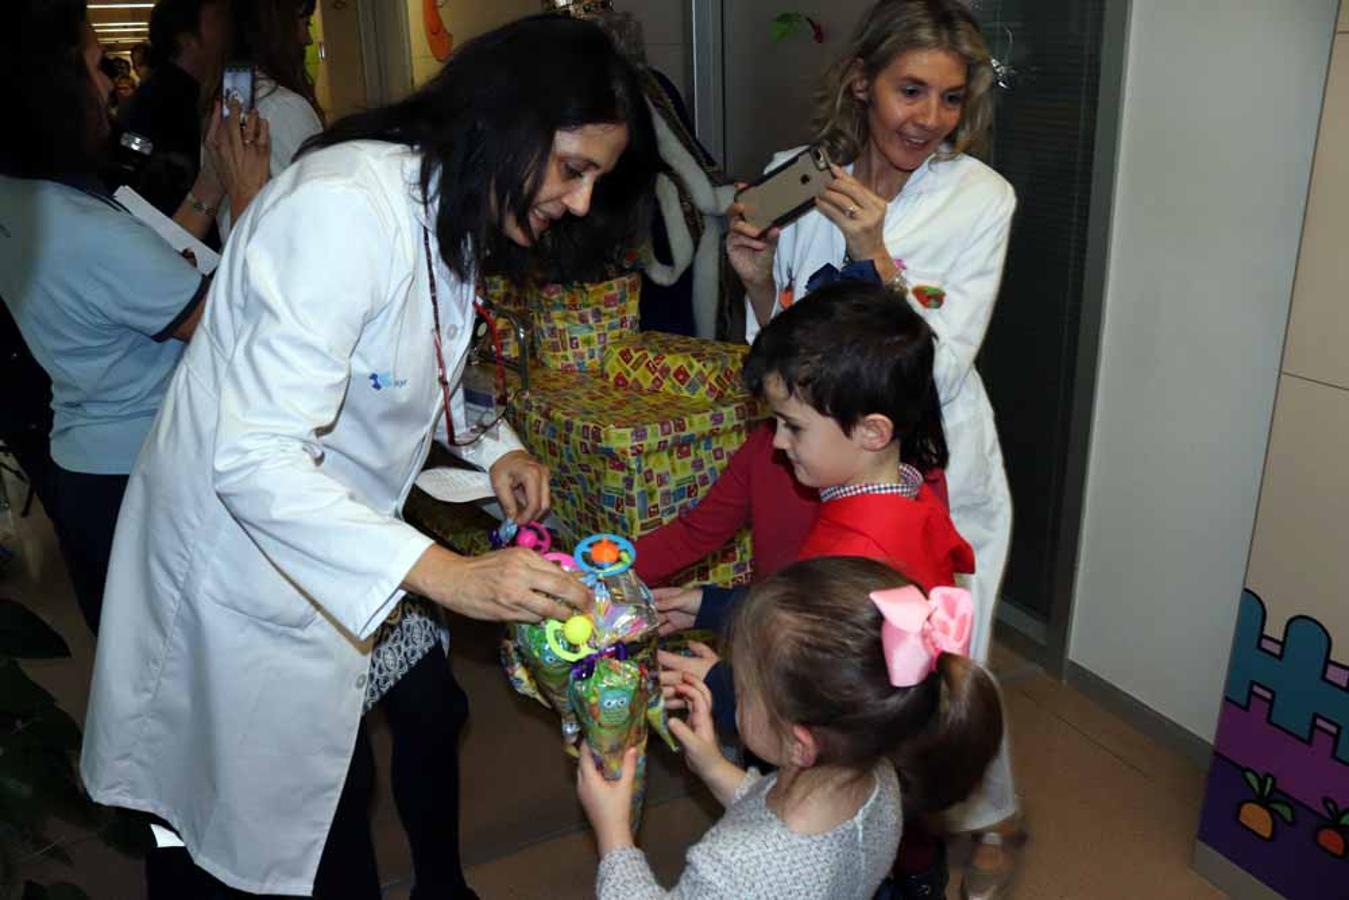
(807,642)
(55,111)
(854,349)
(484,128)
(266,33)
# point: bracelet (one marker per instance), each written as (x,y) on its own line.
(200,207)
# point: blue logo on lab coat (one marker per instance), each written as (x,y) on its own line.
(381,380)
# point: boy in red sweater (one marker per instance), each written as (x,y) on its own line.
(848,376)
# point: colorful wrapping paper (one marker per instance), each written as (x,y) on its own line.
(571,325)
(628,458)
(673,364)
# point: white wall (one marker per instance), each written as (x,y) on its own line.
(1221,103)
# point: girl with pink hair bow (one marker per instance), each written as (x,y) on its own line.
(857,687)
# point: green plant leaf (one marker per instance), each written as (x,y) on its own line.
(50,777)
(1343,821)
(1252,779)
(1284,811)
(22,811)
(1267,786)
(62,890)
(48,849)
(19,694)
(24,635)
(50,729)
(785,25)
(126,832)
(1331,809)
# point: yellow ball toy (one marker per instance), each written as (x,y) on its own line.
(577,630)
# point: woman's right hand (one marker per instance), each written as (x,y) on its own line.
(240,154)
(750,253)
(511,585)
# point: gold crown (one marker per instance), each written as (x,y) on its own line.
(577,8)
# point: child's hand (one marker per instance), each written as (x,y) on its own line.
(678,607)
(674,667)
(698,736)
(608,804)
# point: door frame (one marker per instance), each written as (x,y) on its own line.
(1047,642)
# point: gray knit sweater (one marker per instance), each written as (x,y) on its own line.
(752,854)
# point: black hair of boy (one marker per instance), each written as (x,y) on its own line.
(854,349)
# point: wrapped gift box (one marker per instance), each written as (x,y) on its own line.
(570,324)
(637,442)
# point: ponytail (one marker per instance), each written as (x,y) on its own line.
(942,765)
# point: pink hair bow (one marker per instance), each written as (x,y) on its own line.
(919,629)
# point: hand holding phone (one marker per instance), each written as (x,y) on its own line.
(786,192)
(236,86)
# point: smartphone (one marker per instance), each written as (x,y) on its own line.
(788,191)
(237,84)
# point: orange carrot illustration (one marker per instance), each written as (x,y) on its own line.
(1258,815)
(1332,837)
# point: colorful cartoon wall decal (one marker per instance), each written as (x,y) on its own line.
(438,37)
(1258,814)
(1333,835)
(1280,769)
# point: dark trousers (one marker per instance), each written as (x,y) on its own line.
(426,710)
(83,509)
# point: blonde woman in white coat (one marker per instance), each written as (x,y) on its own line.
(260,545)
(901,110)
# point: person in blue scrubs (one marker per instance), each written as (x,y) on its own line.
(102,302)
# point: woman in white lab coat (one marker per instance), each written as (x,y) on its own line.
(905,104)
(260,545)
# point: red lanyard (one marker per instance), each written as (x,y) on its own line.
(442,374)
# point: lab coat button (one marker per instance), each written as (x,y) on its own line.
(360,682)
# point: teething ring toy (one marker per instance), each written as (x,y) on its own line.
(605,554)
(533,536)
(564,561)
(554,632)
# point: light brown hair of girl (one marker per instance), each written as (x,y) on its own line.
(807,643)
(888,29)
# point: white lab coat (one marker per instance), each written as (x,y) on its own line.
(950,226)
(259,544)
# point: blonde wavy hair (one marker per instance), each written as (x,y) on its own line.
(888,29)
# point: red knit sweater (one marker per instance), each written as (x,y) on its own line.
(913,536)
(758,489)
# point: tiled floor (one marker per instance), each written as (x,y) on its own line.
(1112,813)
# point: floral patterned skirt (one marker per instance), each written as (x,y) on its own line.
(411,630)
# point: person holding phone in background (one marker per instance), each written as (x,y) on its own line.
(900,114)
(268,38)
(189,40)
(102,302)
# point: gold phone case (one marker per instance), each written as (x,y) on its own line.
(787,192)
